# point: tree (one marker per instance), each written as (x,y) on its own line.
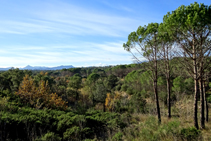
(190,26)
(100,93)
(166,54)
(111,81)
(75,84)
(91,81)
(147,39)
(40,96)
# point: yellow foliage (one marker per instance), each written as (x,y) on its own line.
(39,96)
(110,100)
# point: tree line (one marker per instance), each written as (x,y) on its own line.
(118,102)
(185,34)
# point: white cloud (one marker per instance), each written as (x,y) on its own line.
(65,18)
(106,53)
(117,6)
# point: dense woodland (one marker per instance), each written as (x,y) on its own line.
(162,98)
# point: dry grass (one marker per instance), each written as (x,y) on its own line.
(182,112)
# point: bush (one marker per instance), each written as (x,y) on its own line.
(117,137)
(118,87)
(209,99)
(50,136)
(130,91)
(124,87)
(190,133)
(151,131)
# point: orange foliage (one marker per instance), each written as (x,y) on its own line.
(110,100)
(39,96)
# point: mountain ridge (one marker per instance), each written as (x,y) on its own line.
(28,67)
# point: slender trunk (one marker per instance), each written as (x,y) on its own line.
(205,101)
(201,85)
(169,97)
(202,103)
(168,85)
(166,56)
(196,105)
(195,118)
(156,92)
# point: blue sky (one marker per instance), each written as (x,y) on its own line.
(74,32)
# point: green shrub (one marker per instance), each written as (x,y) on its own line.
(130,91)
(209,99)
(124,87)
(190,133)
(151,131)
(50,136)
(117,137)
(118,87)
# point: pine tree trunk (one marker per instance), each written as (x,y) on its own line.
(195,118)
(156,92)
(169,97)
(205,101)
(196,105)
(202,103)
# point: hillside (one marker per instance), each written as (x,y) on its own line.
(111,103)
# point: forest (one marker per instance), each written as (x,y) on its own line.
(164,95)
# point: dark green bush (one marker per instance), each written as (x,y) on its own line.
(124,87)
(190,133)
(117,137)
(130,91)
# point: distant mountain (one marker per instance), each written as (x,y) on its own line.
(40,68)
(5,69)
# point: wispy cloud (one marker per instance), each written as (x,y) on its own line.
(117,6)
(52,32)
(93,54)
(65,18)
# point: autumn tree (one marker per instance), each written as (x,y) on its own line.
(40,96)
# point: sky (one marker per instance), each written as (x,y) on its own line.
(74,32)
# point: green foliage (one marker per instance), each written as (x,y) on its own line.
(190,133)
(11,79)
(118,87)
(117,137)
(138,103)
(189,86)
(93,77)
(75,81)
(178,85)
(100,92)
(50,136)
(194,16)
(130,91)
(110,83)
(150,131)
(209,99)
(124,87)
(181,85)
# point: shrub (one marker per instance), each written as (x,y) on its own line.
(124,87)
(117,137)
(190,133)
(50,136)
